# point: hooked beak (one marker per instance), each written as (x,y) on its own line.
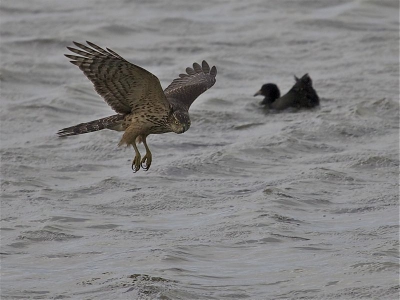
(185,127)
(258,93)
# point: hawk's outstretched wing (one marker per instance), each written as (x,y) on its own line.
(189,86)
(124,86)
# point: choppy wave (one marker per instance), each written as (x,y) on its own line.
(248,203)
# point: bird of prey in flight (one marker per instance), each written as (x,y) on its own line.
(136,95)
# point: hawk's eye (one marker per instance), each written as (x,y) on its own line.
(176,122)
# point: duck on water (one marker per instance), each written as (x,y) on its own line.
(301,95)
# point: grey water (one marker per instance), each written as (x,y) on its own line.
(248,204)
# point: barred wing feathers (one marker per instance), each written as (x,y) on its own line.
(123,85)
(189,86)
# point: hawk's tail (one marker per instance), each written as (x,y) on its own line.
(107,122)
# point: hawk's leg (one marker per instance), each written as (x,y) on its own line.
(136,160)
(146,161)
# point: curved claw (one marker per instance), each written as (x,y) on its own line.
(136,164)
(144,167)
(146,162)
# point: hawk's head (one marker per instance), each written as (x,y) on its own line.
(179,121)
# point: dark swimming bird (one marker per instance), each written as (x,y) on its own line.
(301,95)
(136,95)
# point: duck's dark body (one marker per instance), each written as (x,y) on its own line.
(301,95)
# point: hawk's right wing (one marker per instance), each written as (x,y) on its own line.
(189,86)
(124,86)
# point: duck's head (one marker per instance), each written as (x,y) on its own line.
(270,91)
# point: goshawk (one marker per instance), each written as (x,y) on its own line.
(137,97)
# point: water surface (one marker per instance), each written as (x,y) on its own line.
(247,204)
